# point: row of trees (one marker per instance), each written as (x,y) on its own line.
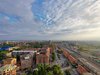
(3,54)
(43,69)
(53,56)
(32,45)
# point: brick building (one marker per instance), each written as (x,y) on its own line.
(43,56)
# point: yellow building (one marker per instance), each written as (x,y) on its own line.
(8,70)
(11,61)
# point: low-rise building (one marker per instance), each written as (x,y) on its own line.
(21,52)
(87,74)
(8,70)
(81,70)
(11,61)
(66,53)
(72,59)
(9,54)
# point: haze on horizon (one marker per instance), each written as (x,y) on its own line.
(49,19)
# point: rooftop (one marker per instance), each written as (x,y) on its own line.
(9,59)
(7,67)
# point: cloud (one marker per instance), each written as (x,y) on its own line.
(69,15)
(17,16)
(86,35)
(48,18)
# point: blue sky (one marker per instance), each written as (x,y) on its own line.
(49,19)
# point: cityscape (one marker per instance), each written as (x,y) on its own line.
(49,37)
(49,58)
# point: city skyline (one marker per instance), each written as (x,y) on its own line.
(49,19)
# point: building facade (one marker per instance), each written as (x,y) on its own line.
(43,56)
(26,61)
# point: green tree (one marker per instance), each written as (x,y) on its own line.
(42,69)
(50,73)
(53,56)
(57,70)
(3,54)
(35,72)
(67,72)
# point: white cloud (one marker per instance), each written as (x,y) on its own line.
(21,9)
(60,18)
(73,15)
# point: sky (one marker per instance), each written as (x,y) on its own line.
(49,19)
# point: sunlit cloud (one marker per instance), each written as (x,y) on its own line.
(49,19)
